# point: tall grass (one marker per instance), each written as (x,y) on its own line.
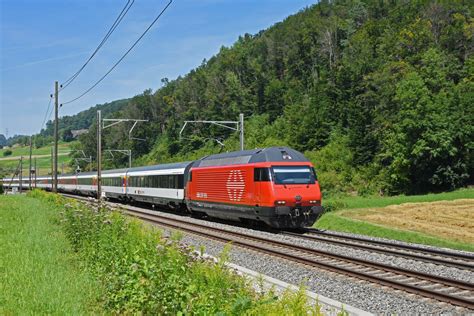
(143,272)
(39,272)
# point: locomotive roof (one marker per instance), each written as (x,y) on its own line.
(271,154)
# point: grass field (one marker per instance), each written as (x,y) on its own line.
(43,162)
(39,272)
(444,220)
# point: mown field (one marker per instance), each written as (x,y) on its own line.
(43,159)
(445,219)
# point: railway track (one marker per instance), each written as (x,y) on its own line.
(435,256)
(451,291)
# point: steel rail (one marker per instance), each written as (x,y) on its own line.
(461,256)
(444,258)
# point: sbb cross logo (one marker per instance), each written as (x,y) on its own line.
(235,185)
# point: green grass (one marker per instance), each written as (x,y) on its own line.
(335,221)
(39,272)
(351,202)
(25,150)
(43,163)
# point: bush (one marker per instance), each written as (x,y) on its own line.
(144,272)
(7,152)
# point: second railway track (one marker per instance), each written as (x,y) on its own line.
(442,289)
(435,256)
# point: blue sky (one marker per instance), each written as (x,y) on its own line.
(48,40)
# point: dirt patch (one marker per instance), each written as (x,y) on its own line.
(453,220)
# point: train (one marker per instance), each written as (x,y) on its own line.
(276,186)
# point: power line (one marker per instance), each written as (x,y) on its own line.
(47,111)
(126,53)
(117,21)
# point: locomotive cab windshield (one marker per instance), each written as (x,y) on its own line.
(294,175)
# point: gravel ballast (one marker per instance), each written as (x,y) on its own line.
(364,295)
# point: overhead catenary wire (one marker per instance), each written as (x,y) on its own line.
(117,21)
(121,58)
(47,111)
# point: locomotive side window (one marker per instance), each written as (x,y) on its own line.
(261,174)
(293,175)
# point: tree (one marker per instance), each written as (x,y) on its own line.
(67,135)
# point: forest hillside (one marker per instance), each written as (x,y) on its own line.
(378,94)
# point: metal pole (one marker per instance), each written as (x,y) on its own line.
(29,170)
(241,119)
(52,168)
(99,154)
(36,172)
(55,171)
(130,158)
(20,186)
(62,168)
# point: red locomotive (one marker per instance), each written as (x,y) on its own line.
(277,186)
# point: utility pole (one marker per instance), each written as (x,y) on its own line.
(36,172)
(101,121)
(13,176)
(55,171)
(20,187)
(99,155)
(52,168)
(29,178)
(241,119)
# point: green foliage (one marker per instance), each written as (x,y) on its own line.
(83,119)
(7,152)
(143,272)
(3,140)
(392,79)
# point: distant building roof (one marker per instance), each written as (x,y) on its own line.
(77,132)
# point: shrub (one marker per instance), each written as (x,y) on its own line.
(144,272)
(7,152)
